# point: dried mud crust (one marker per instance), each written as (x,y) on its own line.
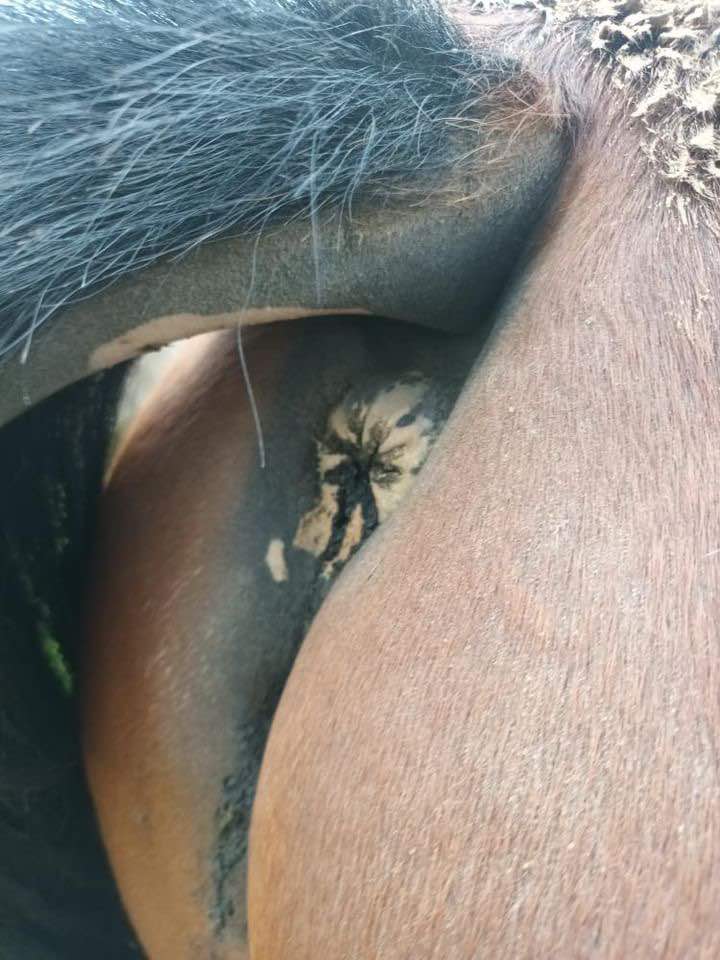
(666,57)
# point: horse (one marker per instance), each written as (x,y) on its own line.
(498,734)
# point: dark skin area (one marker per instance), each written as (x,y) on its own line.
(192,628)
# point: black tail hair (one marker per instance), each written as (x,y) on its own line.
(133,129)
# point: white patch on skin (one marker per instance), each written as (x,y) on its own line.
(315,527)
(146,372)
(408,455)
(400,452)
(275,560)
(390,453)
(392,405)
(404,448)
(328,461)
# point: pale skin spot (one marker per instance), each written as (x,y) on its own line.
(315,527)
(328,461)
(339,425)
(406,449)
(394,455)
(392,405)
(403,448)
(275,560)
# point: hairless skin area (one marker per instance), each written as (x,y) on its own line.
(200,603)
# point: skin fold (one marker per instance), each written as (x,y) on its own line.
(197,604)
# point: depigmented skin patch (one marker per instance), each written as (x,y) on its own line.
(373,446)
(315,527)
(275,560)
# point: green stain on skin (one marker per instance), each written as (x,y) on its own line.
(56,661)
(49,644)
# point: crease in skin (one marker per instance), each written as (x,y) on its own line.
(440,262)
(161,330)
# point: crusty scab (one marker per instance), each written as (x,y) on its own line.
(666,56)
